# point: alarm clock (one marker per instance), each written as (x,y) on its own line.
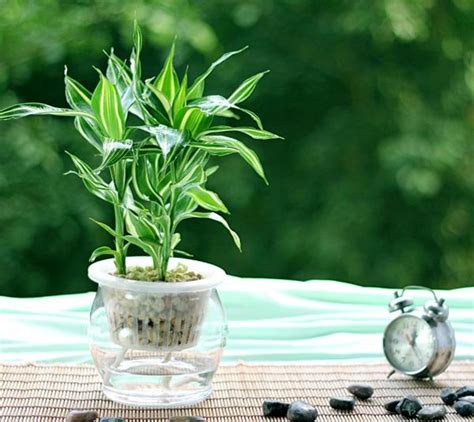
(419,343)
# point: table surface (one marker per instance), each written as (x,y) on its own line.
(37,393)
(269,320)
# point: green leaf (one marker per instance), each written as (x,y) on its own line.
(254,133)
(101,250)
(107,228)
(223,145)
(119,75)
(140,226)
(167,138)
(197,88)
(93,182)
(216,217)
(180,99)
(78,97)
(108,109)
(167,81)
(114,150)
(137,38)
(88,132)
(211,170)
(246,89)
(193,120)
(18,111)
(207,199)
(147,247)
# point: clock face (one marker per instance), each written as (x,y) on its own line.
(409,344)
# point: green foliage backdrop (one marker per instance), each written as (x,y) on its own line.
(374,183)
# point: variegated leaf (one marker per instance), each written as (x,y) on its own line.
(93,182)
(114,150)
(197,88)
(167,80)
(108,109)
(18,111)
(223,145)
(77,96)
(254,133)
(215,217)
(246,89)
(207,199)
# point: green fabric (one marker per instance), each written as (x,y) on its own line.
(272,320)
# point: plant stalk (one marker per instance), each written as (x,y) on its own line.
(119,243)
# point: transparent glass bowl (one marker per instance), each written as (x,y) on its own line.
(157,344)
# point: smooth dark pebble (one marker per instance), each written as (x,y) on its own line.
(111,419)
(464,408)
(186,419)
(361,391)
(275,408)
(391,406)
(448,396)
(408,407)
(430,413)
(82,416)
(467,390)
(300,411)
(469,399)
(342,403)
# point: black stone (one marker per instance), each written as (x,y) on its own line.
(342,403)
(430,413)
(391,406)
(111,419)
(82,416)
(464,408)
(300,411)
(408,407)
(469,399)
(467,390)
(275,408)
(448,396)
(361,391)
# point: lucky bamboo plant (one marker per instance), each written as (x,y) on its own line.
(154,138)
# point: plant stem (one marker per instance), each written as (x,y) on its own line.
(119,244)
(117,173)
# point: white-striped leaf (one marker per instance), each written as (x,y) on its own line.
(100,251)
(246,89)
(77,96)
(254,133)
(108,109)
(18,111)
(140,226)
(207,199)
(193,120)
(180,99)
(215,217)
(88,132)
(166,137)
(93,182)
(114,150)
(197,88)
(119,75)
(167,81)
(223,145)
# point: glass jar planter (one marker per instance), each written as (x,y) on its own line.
(157,344)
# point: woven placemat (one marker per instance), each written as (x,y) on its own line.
(33,392)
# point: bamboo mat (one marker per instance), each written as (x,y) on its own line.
(33,392)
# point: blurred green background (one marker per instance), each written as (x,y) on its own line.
(373,185)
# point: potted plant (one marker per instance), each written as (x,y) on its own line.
(154,139)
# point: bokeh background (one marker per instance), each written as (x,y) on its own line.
(374,183)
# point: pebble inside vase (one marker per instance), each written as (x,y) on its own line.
(165,321)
